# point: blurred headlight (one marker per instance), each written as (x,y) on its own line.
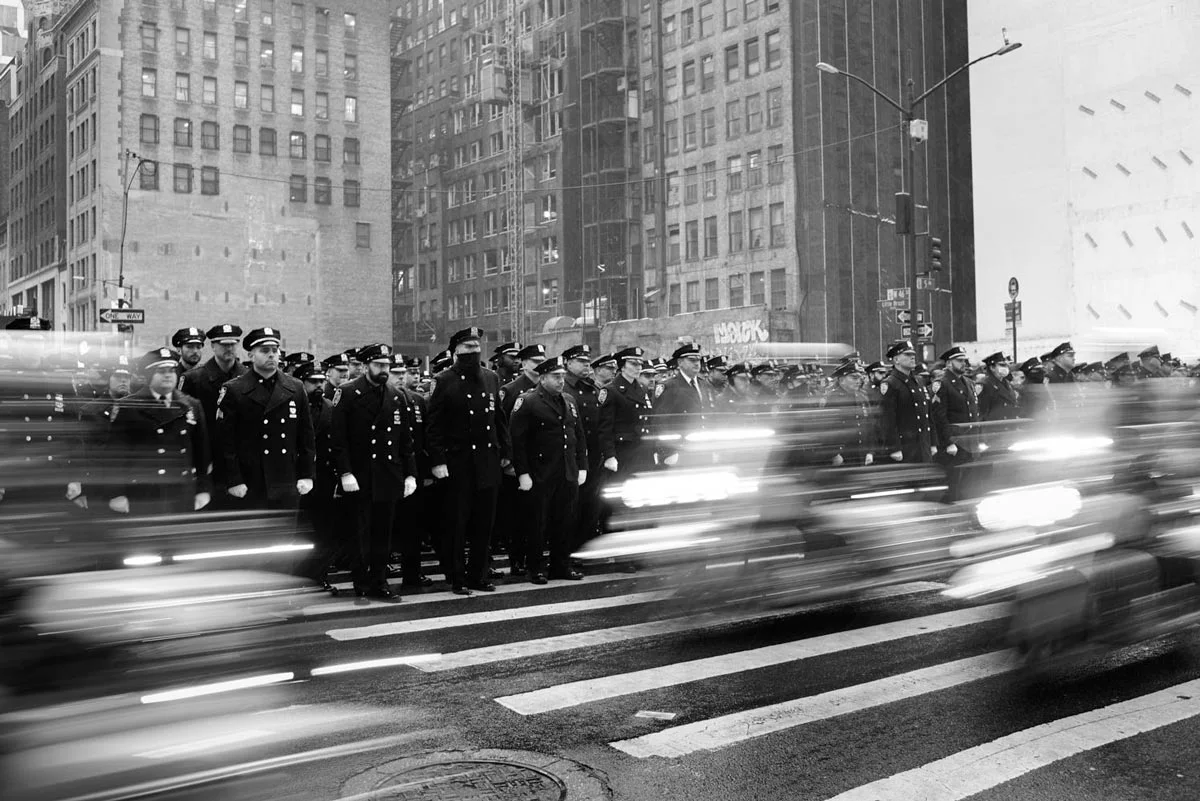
(730,435)
(667,489)
(1028,508)
(1049,449)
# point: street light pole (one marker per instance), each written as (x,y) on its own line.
(141,162)
(905,210)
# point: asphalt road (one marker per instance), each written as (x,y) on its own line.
(904,696)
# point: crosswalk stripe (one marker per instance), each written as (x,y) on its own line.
(617,634)
(331,607)
(726,730)
(494,616)
(991,764)
(577,693)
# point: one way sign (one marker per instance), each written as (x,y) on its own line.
(924,331)
(122,316)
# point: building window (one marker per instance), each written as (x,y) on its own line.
(210,91)
(775,164)
(297,16)
(350,153)
(297,59)
(323,21)
(673,243)
(241,51)
(755,216)
(350,193)
(183,87)
(351,23)
(549,250)
(778,235)
(183,178)
(149,129)
(754,113)
(241,139)
(754,169)
(708,127)
(775,107)
(148,177)
(712,293)
(550,292)
(736,241)
(690,140)
(706,19)
(731,14)
(774,50)
(183,42)
(731,64)
(241,95)
(321,148)
(779,289)
(673,307)
(758,289)
(672,135)
(266,99)
(733,119)
(322,67)
(691,185)
(351,109)
(268,13)
(266,141)
(183,132)
(297,102)
(350,72)
(735,173)
(710,237)
(710,180)
(322,105)
(266,55)
(737,291)
(297,145)
(149,36)
(210,181)
(691,241)
(239,11)
(693,296)
(753,58)
(210,136)
(689,78)
(322,191)
(149,82)
(298,189)
(210,45)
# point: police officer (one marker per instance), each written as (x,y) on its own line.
(411,524)
(372,448)
(190,344)
(956,416)
(684,399)
(265,430)
(354,364)
(469,446)
(905,424)
(876,373)
(296,358)
(1059,363)
(1150,364)
(323,508)
(510,531)
(550,456)
(998,399)
(718,379)
(204,383)
(530,357)
(158,445)
(853,425)
(596,414)
(336,368)
(507,360)
(632,407)
(736,394)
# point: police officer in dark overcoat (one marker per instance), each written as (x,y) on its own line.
(158,445)
(685,399)
(507,361)
(323,505)
(372,448)
(265,430)
(905,421)
(851,423)
(551,459)
(204,383)
(632,407)
(956,417)
(336,368)
(510,530)
(1059,363)
(469,447)
(596,413)
(998,400)
(190,344)
(410,523)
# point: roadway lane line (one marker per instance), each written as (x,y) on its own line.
(989,765)
(495,616)
(726,730)
(618,634)
(577,693)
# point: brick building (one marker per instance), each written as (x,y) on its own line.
(246,147)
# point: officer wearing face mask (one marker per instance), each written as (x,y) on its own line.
(998,399)
(468,441)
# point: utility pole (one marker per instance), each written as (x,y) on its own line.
(514,131)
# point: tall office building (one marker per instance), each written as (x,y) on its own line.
(245,154)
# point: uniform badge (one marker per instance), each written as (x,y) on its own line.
(978,390)
(396,417)
(112,415)
(221,395)
(59,404)
(337,396)
(658,391)
(602,397)
(502,394)
(191,417)
(517,405)
(292,411)
(883,388)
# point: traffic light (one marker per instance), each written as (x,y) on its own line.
(935,255)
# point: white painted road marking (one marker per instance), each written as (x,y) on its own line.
(494,616)
(658,628)
(576,693)
(726,730)
(986,766)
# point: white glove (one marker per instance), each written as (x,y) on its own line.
(202,500)
(870,460)
(611,464)
(119,504)
(238,491)
(349,483)
(671,460)
(952,450)
(898,456)
(525,482)
(582,477)
(74,490)
(410,485)
(837,460)
(304,485)
(441,471)
(933,450)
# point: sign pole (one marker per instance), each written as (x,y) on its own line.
(1014,288)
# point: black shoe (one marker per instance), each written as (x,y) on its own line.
(538,578)
(486,586)
(570,575)
(460,590)
(384,594)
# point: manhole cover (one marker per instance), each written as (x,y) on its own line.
(477,776)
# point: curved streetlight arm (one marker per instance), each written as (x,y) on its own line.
(919,99)
(871,86)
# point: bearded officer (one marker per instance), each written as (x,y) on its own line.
(596,414)
(190,344)
(469,446)
(551,459)
(158,445)
(265,430)
(372,448)
(905,423)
